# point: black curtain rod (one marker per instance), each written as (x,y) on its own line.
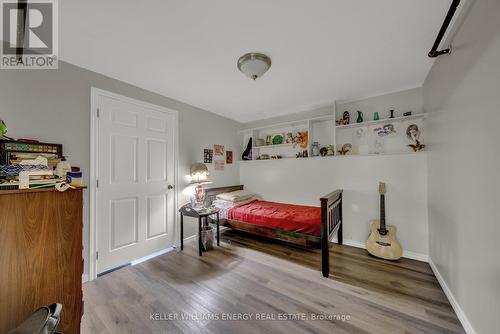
(434,51)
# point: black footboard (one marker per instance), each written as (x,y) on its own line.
(331,223)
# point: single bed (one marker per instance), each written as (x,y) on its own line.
(301,225)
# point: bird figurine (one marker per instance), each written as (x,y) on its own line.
(344,149)
(417,147)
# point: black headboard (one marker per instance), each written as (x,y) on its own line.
(211,193)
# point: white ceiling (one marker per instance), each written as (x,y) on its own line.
(322,50)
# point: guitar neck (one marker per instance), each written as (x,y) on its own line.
(382,212)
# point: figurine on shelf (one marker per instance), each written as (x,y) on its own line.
(301,139)
(413,134)
(247,154)
(360,117)
(406,114)
(289,138)
(392,113)
(345,149)
(346,117)
(323,151)
(330,150)
(376,116)
(315,149)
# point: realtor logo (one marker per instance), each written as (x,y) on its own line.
(29,34)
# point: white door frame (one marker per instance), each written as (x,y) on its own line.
(95,93)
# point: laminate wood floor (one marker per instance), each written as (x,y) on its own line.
(277,286)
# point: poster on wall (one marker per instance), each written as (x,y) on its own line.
(219,164)
(218,150)
(208,156)
(229,157)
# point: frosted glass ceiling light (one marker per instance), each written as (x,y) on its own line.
(254,65)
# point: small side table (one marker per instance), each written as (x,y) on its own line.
(187,210)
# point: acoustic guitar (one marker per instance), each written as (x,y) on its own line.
(382,241)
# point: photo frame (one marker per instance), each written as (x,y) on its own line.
(219,165)
(208,155)
(218,150)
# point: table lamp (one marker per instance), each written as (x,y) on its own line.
(199,176)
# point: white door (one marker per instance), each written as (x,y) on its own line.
(136,174)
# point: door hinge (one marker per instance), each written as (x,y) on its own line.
(97,255)
(97,112)
(97,183)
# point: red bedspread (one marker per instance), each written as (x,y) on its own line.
(286,217)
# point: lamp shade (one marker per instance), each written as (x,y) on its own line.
(199,174)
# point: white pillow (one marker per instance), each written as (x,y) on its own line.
(236,196)
(220,203)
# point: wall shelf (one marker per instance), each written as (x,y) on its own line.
(273,146)
(365,138)
(344,156)
(395,119)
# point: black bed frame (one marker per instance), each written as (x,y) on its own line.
(331,223)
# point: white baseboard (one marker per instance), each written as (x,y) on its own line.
(451,298)
(85,278)
(194,236)
(150,256)
(415,256)
(406,254)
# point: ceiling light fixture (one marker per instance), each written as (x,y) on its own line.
(254,65)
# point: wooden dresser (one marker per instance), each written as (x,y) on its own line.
(41,255)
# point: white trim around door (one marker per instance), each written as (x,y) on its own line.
(94,163)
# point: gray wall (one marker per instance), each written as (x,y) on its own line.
(462,96)
(54,106)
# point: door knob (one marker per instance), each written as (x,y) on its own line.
(170,187)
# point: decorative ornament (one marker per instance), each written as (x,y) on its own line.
(346,117)
(360,117)
(345,149)
(301,139)
(247,154)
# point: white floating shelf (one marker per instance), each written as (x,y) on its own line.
(273,146)
(343,156)
(395,119)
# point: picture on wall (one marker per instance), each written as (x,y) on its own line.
(219,164)
(208,155)
(229,157)
(218,150)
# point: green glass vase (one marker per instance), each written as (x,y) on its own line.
(360,117)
